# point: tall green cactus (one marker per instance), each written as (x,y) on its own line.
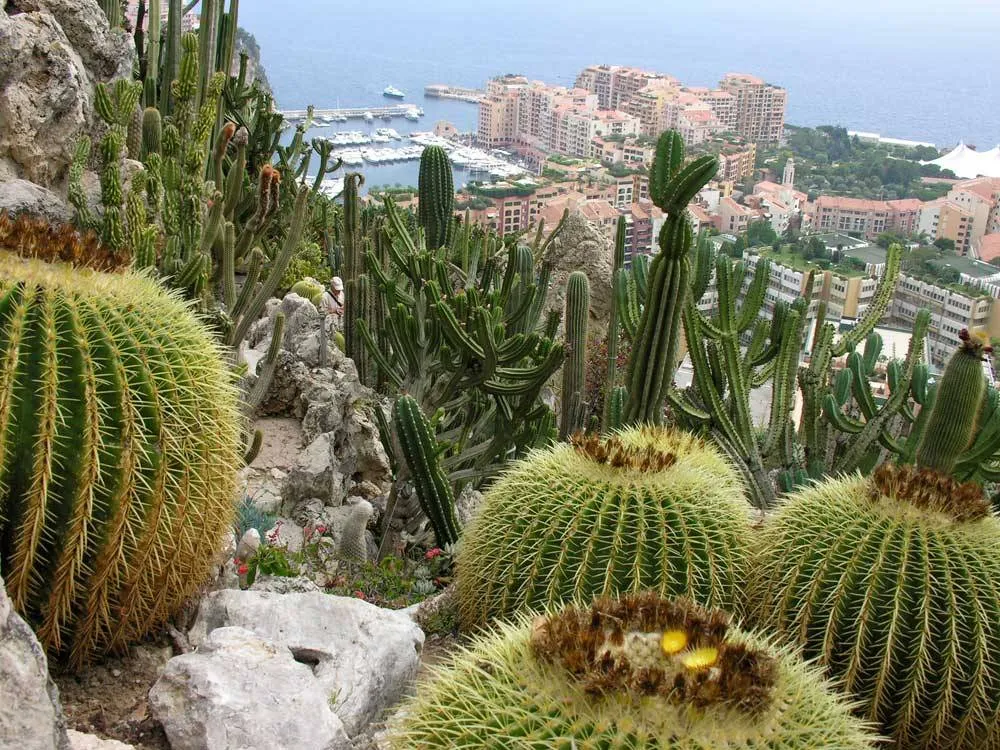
(654,357)
(576,318)
(152,132)
(351,241)
(120,438)
(617,281)
(462,339)
(952,425)
(113,12)
(436,196)
(420,450)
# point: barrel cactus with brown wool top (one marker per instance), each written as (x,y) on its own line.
(647,508)
(637,672)
(891,583)
(119,441)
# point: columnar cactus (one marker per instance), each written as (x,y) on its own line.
(639,672)
(648,508)
(120,437)
(617,280)
(577,317)
(420,450)
(654,357)
(152,132)
(959,396)
(436,196)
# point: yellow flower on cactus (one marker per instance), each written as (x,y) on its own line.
(701,658)
(673,642)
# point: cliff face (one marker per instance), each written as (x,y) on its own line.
(580,246)
(246,42)
(52,55)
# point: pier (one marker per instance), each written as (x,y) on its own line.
(354,113)
(442,91)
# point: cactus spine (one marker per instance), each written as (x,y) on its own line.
(639,672)
(420,449)
(436,197)
(959,395)
(654,356)
(577,315)
(120,437)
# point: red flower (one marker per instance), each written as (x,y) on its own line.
(359,594)
(432,553)
(243,569)
(320,529)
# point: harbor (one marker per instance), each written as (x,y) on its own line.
(343,114)
(443,91)
(357,149)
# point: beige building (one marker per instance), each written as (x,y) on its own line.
(734,218)
(499,110)
(945,219)
(617,84)
(760,107)
(736,163)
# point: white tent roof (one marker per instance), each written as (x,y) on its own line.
(967,163)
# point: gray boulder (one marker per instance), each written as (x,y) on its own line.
(363,656)
(83,741)
(581,246)
(30,715)
(21,196)
(240,691)
(52,55)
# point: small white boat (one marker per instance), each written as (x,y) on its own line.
(392,92)
(368,116)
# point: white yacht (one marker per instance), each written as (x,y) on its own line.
(392,92)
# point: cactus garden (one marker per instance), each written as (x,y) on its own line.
(251,422)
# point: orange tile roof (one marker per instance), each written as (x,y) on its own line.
(850,204)
(906,204)
(989,248)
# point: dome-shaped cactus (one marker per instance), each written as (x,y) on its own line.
(309,289)
(648,508)
(890,581)
(639,672)
(119,439)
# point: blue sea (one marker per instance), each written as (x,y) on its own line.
(920,69)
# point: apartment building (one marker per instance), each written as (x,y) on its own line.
(951,311)
(945,219)
(723,104)
(617,84)
(736,163)
(759,106)
(734,218)
(697,125)
(499,111)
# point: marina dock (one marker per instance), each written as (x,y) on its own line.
(441,91)
(409,111)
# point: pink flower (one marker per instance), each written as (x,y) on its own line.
(243,569)
(432,553)
(320,529)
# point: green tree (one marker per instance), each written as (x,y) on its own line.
(945,244)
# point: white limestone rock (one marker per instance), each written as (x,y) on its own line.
(363,656)
(239,691)
(30,715)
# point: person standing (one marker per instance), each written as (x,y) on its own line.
(333,300)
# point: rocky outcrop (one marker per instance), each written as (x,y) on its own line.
(239,690)
(342,457)
(21,196)
(30,715)
(580,246)
(362,657)
(52,55)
